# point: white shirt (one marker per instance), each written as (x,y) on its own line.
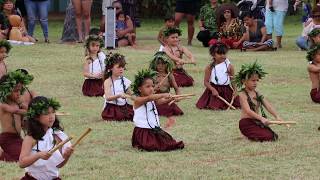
(278,5)
(117,88)
(221,72)
(98,65)
(47,169)
(307,29)
(146,118)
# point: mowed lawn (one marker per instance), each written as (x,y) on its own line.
(214,147)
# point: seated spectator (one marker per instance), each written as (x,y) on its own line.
(255,35)
(3,27)
(312,23)
(7,8)
(208,24)
(230,28)
(122,25)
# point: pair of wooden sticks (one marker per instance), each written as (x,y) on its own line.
(58,146)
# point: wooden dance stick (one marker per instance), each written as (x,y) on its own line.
(162,81)
(282,122)
(231,102)
(226,102)
(58,146)
(81,137)
(182,95)
(181,98)
(62,114)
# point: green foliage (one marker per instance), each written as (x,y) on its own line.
(41,107)
(140,77)
(161,57)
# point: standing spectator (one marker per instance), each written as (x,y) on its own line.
(208,23)
(188,8)
(69,33)
(275,13)
(83,15)
(38,9)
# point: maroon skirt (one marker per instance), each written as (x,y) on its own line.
(28,177)
(315,95)
(93,87)
(166,110)
(208,101)
(11,144)
(154,140)
(182,78)
(114,112)
(255,130)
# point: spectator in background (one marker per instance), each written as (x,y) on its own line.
(208,23)
(38,9)
(275,13)
(22,9)
(83,16)
(188,8)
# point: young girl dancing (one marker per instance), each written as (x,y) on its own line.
(217,80)
(147,134)
(93,67)
(254,125)
(116,90)
(43,133)
(175,51)
(162,64)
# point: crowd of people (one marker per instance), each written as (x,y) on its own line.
(147,96)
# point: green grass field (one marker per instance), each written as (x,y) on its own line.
(214,148)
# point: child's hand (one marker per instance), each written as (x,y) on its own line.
(45,155)
(167,96)
(234,94)
(265,121)
(68,152)
(123,95)
(97,75)
(214,92)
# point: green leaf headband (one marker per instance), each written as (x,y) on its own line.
(10,82)
(94,38)
(6,44)
(158,57)
(314,32)
(312,52)
(246,71)
(42,107)
(139,79)
(167,32)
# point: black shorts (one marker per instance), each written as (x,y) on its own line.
(20,5)
(191,8)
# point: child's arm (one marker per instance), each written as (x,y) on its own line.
(175,59)
(264,34)
(12,109)
(270,109)
(139,101)
(313,68)
(246,109)
(174,84)
(160,37)
(66,154)
(107,91)
(206,81)
(26,158)
(189,55)
(231,75)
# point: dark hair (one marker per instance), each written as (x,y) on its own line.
(111,60)
(34,127)
(168,18)
(24,71)
(94,31)
(315,13)
(218,48)
(246,14)
(222,19)
(119,13)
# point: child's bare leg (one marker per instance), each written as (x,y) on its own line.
(134,43)
(1,151)
(170,122)
(129,36)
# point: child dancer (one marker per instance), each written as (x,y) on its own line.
(253,125)
(175,52)
(27,95)
(93,67)
(147,134)
(314,72)
(168,23)
(44,132)
(116,88)
(162,64)
(11,111)
(5,48)
(217,80)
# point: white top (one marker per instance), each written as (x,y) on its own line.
(142,116)
(117,88)
(307,29)
(278,5)
(221,71)
(47,169)
(98,65)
